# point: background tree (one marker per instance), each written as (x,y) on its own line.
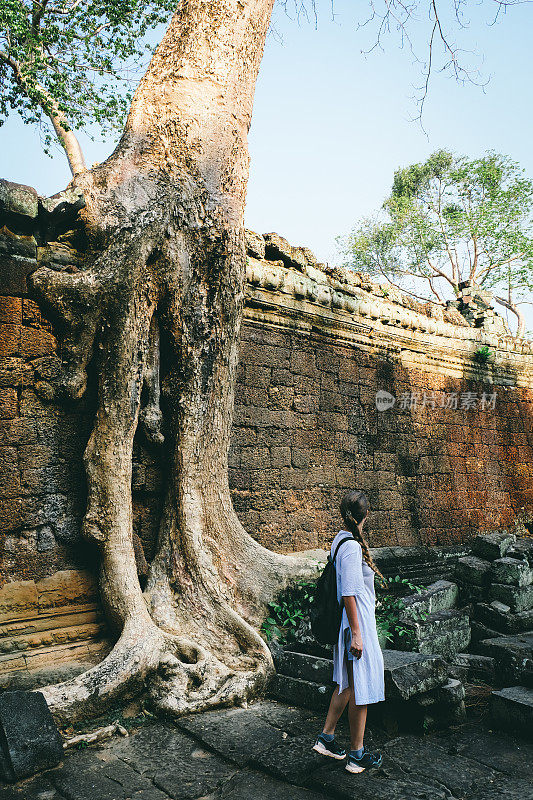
(451,220)
(156,308)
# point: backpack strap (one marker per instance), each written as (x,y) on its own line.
(346,539)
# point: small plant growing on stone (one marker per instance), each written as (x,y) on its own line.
(288,610)
(389,603)
(482,354)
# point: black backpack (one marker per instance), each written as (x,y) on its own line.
(325,613)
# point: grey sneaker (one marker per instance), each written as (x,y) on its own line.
(368,760)
(330,749)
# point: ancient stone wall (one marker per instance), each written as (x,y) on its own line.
(316,347)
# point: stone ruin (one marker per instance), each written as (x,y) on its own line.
(451,645)
(317,344)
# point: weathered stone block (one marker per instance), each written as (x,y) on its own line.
(408,674)
(470,666)
(498,616)
(8,403)
(315,696)
(255,244)
(452,693)
(470,593)
(518,598)
(512,571)
(9,341)
(492,545)
(17,198)
(512,709)
(513,655)
(470,569)
(30,741)
(303,666)
(522,549)
(444,632)
(438,596)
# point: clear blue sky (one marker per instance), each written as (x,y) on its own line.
(331,124)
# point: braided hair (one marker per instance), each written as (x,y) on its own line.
(354,508)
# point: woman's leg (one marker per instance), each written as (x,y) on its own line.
(356,715)
(336,707)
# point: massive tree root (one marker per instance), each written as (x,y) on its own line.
(191,638)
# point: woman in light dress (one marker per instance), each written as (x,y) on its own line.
(357,657)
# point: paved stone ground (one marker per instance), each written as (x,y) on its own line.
(264,753)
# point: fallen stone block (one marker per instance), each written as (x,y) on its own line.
(29,739)
(17,198)
(480,632)
(303,666)
(471,666)
(470,593)
(513,571)
(513,656)
(522,549)
(438,596)
(409,674)
(492,545)
(444,632)
(518,598)
(452,693)
(472,570)
(512,709)
(500,617)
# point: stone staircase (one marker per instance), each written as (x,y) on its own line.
(420,695)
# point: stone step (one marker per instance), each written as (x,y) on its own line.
(303,678)
(513,656)
(512,709)
(297,692)
(303,666)
(443,632)
(439,596)
(421,565)
(499,617)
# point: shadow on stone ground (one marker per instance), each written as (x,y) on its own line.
(264,753)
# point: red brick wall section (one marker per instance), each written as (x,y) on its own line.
(306,430)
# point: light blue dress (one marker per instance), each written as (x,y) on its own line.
(355,577)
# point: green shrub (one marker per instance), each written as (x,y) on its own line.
(288,610)
(389,603)
(293,604)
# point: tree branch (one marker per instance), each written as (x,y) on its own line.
(66,136)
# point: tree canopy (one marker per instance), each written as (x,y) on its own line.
(452,219)
(67,62)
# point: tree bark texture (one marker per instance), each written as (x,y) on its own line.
(159,304)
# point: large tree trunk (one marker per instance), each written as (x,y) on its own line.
(165,217)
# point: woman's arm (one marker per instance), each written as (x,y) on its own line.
(356,647)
